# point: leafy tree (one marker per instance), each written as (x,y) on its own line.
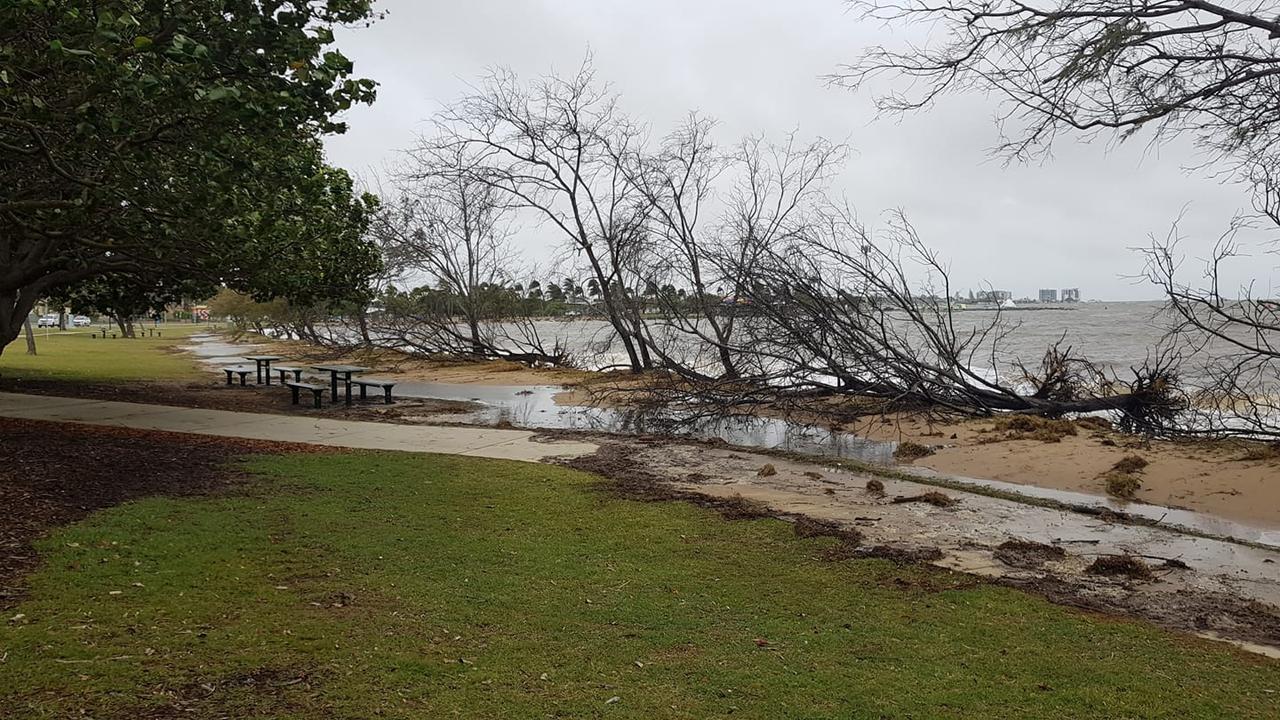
(133,297)
(178,140)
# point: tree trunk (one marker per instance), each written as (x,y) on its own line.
(616,318)
(62,320)
(477,347)
(31,336)
(128,325)
(364,329)
(120,324)
(15,309)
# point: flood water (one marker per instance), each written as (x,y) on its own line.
(534,407)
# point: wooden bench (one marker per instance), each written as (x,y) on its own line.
(316,390)
(240,370)
(285,371)
(366,384)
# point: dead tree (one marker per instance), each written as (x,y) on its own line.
(1206,70)
(830,313)
(770,185)
(1233,334)
(452,231)
(1172,67)
(549,148)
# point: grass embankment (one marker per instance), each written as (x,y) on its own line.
(391,585)
(76,356)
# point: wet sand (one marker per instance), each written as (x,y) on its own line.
(1209,477)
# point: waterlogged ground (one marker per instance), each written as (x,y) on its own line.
(1205,488)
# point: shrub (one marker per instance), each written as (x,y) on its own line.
(1033,427)
(1122,484)
(908,451)
(1130,464)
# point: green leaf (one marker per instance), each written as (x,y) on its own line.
(222,94)
(142,42)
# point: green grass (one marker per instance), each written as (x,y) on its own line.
(77,356)
(485,589)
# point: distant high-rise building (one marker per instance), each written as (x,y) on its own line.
(1070,294)
(1049,296)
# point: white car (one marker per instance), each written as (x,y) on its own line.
(81,321)
(50,320)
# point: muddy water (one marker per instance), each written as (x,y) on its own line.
(1201,594)
(535,407)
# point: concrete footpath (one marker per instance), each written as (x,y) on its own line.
(471,441)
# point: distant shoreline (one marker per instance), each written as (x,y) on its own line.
(1019,308)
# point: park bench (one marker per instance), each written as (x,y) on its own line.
(285,371)
(366,384)
(317,392)
(240,370)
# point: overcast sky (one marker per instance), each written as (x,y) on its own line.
(757,66)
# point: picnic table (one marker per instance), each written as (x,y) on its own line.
(334,371)
(263,363)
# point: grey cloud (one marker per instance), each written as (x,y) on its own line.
(757,67)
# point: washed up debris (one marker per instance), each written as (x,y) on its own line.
(908,451)
(1120,566)
(807,527)
(875,486)
(1122,484)
(1130,464)
(933,497)
(900,554)
(1027,554)
(767,470)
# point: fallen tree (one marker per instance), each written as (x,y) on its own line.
(831,314)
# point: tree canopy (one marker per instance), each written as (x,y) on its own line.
(142,139)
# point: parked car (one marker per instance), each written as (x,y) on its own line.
(50,320)
(81,321)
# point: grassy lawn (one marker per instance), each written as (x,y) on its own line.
(363,585)
(77,356)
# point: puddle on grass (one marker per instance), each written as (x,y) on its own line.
(215,352)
